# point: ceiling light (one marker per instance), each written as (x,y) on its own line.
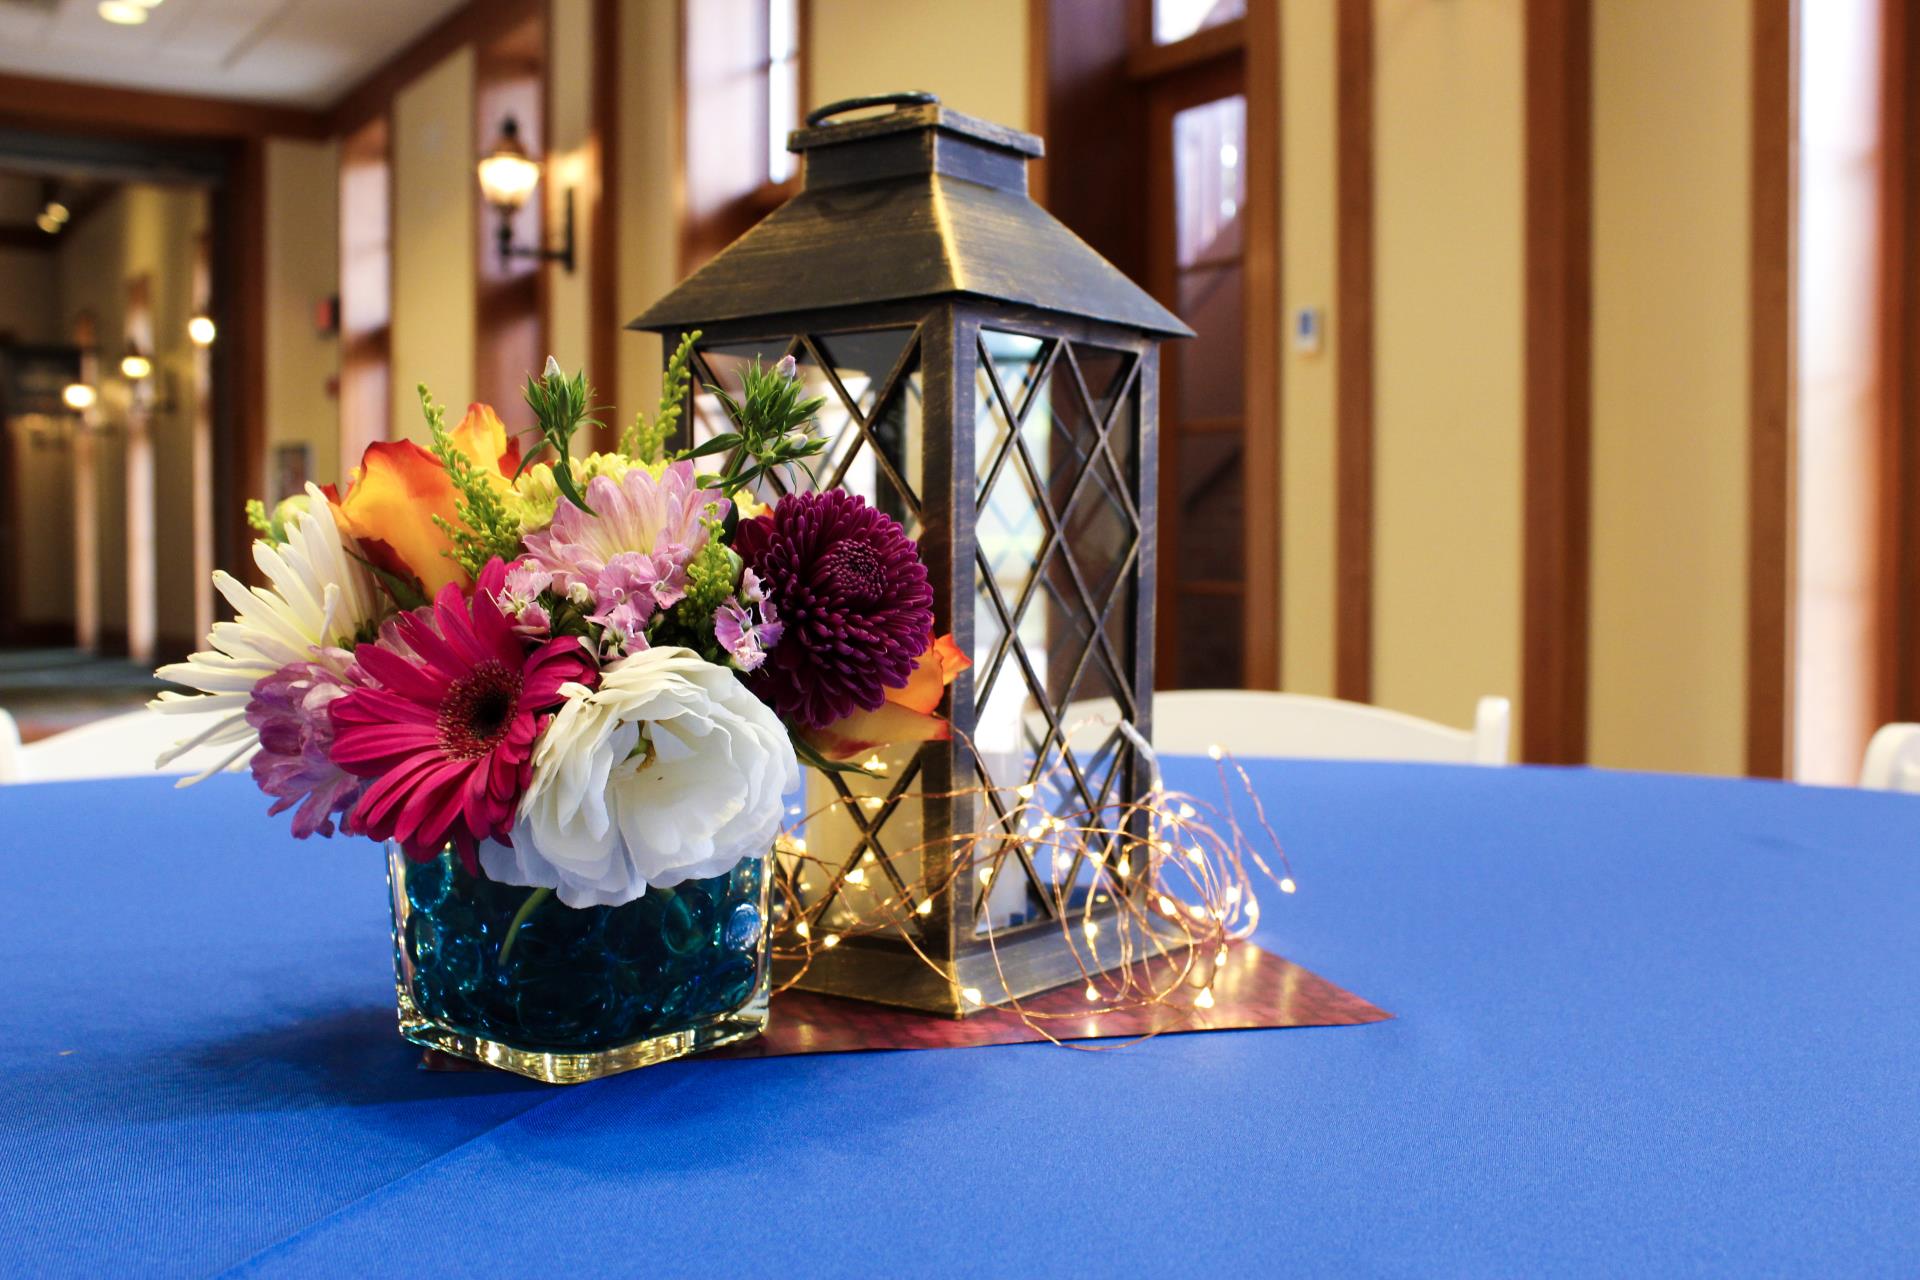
(135,366)
(124,13)
(48,223)
(57,211)
(200,331)
(78,396)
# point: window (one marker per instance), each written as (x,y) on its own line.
(1175,20)
(741,69)
(366,288)
(783,85)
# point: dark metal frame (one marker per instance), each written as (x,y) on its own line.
(1024,959)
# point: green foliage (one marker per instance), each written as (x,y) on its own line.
(714,571)
(712,576)
(646,441)
(769,420)
(559,405)
(257,518)
(405,591)
(272,525)
(484,528)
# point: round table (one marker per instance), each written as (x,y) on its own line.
(1645,1025)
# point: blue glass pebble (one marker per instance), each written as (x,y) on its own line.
(579,980)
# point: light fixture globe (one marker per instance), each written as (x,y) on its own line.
(135,366)
(507,174)
(78,396)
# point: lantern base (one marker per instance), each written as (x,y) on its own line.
(1021,962)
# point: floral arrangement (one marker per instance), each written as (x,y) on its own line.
(588,674)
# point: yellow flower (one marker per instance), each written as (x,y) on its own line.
(535,497)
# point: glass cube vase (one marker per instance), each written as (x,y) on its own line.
(579,993)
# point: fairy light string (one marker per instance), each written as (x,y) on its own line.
(1149,895)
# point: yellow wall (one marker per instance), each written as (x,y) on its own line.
(172,222)
(433,241)
(1308,195)
(1448,116)
(649,244)
(1670,186)
(973,55)
(303,267)
(569,164)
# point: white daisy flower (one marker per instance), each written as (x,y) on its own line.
(320,598)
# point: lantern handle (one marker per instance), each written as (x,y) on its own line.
(913,98)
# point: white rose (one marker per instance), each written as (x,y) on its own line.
(669,771)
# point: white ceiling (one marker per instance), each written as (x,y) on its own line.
(303,53)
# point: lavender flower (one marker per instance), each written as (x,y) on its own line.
(290,710)
(745,636)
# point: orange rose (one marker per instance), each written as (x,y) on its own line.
(908,713)
(483,437)
(394,494)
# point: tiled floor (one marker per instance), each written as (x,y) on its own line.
(48,690)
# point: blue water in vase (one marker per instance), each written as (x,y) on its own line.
(575,980)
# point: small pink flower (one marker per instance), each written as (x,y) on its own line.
(747,630)
(659,518)
(519,597)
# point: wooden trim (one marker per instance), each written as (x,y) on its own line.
(603,231)
(511,76)
(240,354)
(70,106)
(1898,678)
(1770,356)
(1353,373)
(1263,366)
(1039,90)
(1559,380)
(1150,61)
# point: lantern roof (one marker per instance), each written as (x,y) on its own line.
(922,201)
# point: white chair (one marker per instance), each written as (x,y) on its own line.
(1893,759)
(121,746)
(9,748)
(1254,722)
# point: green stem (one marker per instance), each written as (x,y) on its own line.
(534,899)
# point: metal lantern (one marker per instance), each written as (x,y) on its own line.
(992,383)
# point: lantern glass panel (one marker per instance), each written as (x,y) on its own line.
(871,421)
(1057,537)
(864,832)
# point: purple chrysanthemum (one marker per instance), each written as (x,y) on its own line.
(852,596)
(289,710)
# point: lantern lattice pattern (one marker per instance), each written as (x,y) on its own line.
(1013,436)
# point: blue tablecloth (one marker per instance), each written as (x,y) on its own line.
(1645,1025)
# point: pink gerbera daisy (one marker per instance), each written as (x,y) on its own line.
(447,733)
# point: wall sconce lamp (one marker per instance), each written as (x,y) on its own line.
(134,366)
(508,176)
(78,396)
(200,331)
